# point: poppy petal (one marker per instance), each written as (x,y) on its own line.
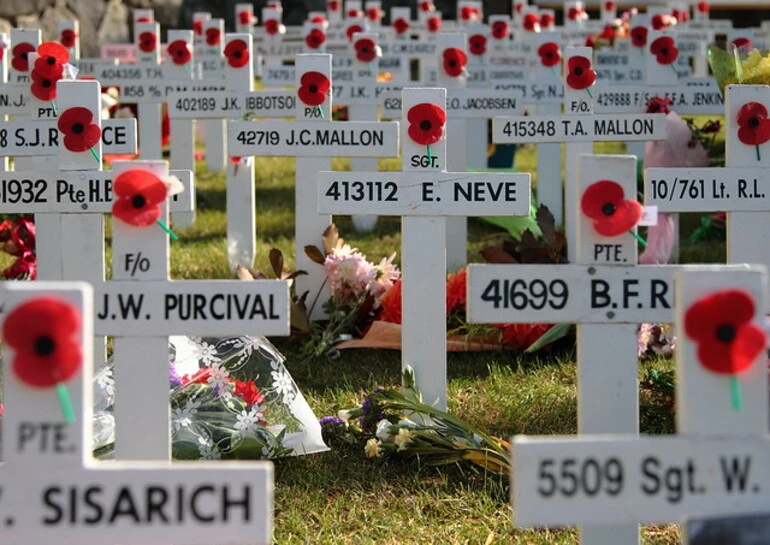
(627,215)
(54,50)
(124,210)
(597,195)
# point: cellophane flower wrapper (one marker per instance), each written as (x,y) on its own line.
(739,67)
(231,398)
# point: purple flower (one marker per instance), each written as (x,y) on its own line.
(172,376)
(331,421)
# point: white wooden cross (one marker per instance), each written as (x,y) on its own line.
(141,308)
(605,293)
(716,466)
(212,70)
(424,194)
(14,88)
(579,129)
(53,490)
(313,139)
(739,188)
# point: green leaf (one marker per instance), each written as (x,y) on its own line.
(517,225)
(556,332)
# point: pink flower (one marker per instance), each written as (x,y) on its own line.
(385,276)
(348,272)
(679,149)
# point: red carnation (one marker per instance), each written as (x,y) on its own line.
(315,38)
(43,333)
(664,49)
(433,24)
(139,195)
(639,36)
(477,44)
(426,123)
(314,87)
(580,75)
(20,61)
(720,323)
(80,131)
(148,42)
(500,30)
(68,38)
(613,215)
(366,50)
(179,52)
(237,53)
(550,54)
(454,61)
(401,25)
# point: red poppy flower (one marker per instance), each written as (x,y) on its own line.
(333,5)
(400,25)
(213,36)
(469,13)
(426,123)
(659,22)
(144,20)
(179,51)
(522,336)
(454,61)
(391,304)
(550,54)
(519,6)
(374,14)
(272,26)
(742,43)
(728,343)
(315,38)
(610,6)
(51,60)
(20,52)
(433,24)
(639,36)
(24,268)
(318,19)
(613,215)
(237,53)
(314,87)
(139,193)
(609,32)
(198,27)
(245,18)
(704,7)
(580,75)
(148,42)
(754,126)
(531,23)
(68,38)
(80,131)
(427,6)
(680,15)
(43,335)
(354,13)
(456,290)
(2,51)
(575,13)
(590,41)
(547,20)
(477,44)
(44,87)
(664,50)
(500,30)
(352,29)
(658,105)
(366,50)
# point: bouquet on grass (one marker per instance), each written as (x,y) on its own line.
(395,422)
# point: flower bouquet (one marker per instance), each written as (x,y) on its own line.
(395,422)
(17,237)
(741,64)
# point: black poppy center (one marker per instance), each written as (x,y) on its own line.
(578,71)
(46,83)
(313,89)
(425,125)
(44,346)
(452,63)
(754,122)
(51,61)
(608,209)
(664,51)
(138,201)
(725,333)
(78,128)
(365,50)
(237,54)
(180,53)
(23,56)
(549,55)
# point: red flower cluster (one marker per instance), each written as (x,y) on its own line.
(49,69)
(43,335)
(728,343)
(314,87)
(179,52)
(18,239)
(139,196)
(664,50)
(454,61)
(426,123)
(315,38)
(237,53)
(522,336)
(477,44)
(658,105)
(580,75)
(613,215)
(247,390)
(391,304)
(500,30)
(456,291)
(366,50)
(753,124)
(550,54)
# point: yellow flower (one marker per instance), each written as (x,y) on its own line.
(403,438)
(372,448)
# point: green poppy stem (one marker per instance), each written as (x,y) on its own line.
(758,157)
(65,402)
(55,109)
(735,393)
(321,111)
(590,94)
(167,229)
(186,68)
(96,156)
(674,69)
(637,237)
(430,158)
